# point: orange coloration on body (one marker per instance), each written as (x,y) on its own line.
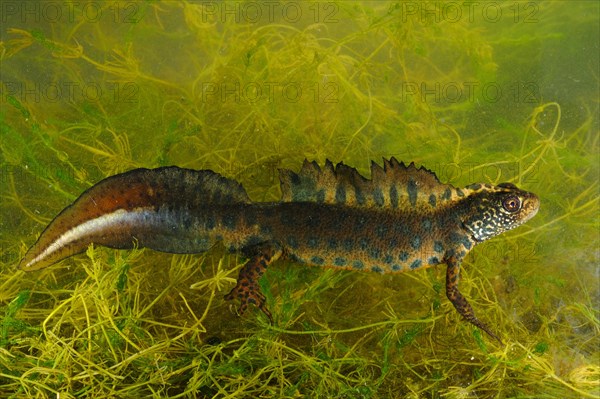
(401,219)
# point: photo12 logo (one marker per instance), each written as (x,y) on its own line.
(507,252)
(457,92)
(253,92)
(471,172)
(70,11)
(41,176)
(53,92)
(268,11)
(470,11)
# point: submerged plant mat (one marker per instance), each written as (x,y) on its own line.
(160,83)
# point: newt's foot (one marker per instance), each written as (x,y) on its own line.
(460,302)
(248,292)
(247,289)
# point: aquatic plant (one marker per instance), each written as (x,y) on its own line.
(158,83)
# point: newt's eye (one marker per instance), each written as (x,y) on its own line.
(512,204)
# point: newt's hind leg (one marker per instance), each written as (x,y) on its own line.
(460,302)
(247,289)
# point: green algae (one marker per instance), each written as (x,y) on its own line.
(158,83)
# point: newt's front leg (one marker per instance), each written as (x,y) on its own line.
(459,301)
(247,289)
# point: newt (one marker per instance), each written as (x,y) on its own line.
(401,219)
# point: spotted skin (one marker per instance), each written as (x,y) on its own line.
(247,290)
(459,301)
(401,219)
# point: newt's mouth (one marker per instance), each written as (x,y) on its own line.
(531,205)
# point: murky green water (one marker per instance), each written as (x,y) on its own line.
(477,92)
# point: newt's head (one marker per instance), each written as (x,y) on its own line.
(492,210)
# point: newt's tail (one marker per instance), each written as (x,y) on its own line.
(154,208)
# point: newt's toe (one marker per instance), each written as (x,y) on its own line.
(248,293)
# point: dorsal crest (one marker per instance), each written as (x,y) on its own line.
(394,185)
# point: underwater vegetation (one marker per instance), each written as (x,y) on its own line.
(98,88)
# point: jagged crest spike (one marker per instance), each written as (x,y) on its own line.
(392,185)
